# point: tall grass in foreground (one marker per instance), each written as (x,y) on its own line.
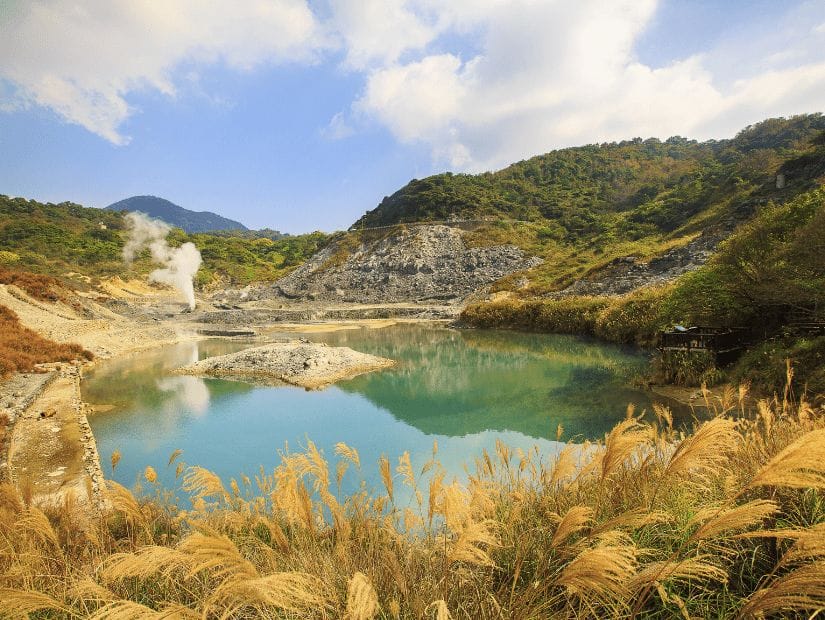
(727,520)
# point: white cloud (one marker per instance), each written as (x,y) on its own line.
(553,74)
(82,59)
(480,82)
(417,99)
(378,31)
(338,128)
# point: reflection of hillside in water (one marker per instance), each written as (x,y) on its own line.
(573,350)
(453,382)
(431,360)
(142,381)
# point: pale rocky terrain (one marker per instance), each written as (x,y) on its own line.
(46,445)
(421,264)
(629,273)
(304,364)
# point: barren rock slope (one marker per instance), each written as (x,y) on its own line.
(422,263)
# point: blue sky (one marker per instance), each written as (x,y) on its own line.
(301,116)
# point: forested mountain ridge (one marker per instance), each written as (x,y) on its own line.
(634,188)
(169,212)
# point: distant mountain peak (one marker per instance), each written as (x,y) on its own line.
(169,212)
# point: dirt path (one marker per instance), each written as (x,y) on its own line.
(52,451)
(47,446)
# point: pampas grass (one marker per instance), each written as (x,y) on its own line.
(726,520)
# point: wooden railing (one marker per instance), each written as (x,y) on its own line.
(702,339)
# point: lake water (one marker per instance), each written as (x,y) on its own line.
(462,388)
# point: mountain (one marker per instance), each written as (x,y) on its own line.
(169,212)
(632,188)
(57,239)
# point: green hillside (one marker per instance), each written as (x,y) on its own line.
(768,276)
(636,187)
(582,208)
(57,239)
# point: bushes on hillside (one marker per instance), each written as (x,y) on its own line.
(633,319)
(572,315)
(764,365)
(40,287)
(21,348)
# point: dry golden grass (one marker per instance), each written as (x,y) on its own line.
(43,288)
(21,349)
(725,521)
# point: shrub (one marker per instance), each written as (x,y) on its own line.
(8,258)
(21,348)
(765,365)
(571,315)
(693,368)
(634,319)
(43,288)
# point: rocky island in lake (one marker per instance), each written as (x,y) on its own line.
(305,364)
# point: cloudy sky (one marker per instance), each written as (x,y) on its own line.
(302,114)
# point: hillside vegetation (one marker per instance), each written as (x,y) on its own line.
(57,239)
(724,521)
(642,185)
(581,208)
(770,272)
(21,348)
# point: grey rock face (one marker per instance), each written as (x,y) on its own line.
(424,263)
(627,273)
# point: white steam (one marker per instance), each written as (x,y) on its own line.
(178,265)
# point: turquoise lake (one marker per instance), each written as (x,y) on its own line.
(462,388)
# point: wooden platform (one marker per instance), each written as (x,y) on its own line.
(711,339)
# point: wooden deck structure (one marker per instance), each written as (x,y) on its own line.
(711,339)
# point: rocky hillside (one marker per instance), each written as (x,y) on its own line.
(594,220)
(420,263)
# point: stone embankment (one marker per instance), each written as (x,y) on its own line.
(52,452)
(424,264)
(304,364)
(17,393)
(311,312)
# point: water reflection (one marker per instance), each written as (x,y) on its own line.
(189,393)
(466,389)
(138,391)
(452,382)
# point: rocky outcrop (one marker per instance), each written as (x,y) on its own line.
(427,263)
(304,364)
(628,273)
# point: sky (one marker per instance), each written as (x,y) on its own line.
(301,115)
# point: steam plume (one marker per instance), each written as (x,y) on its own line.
(178,265)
